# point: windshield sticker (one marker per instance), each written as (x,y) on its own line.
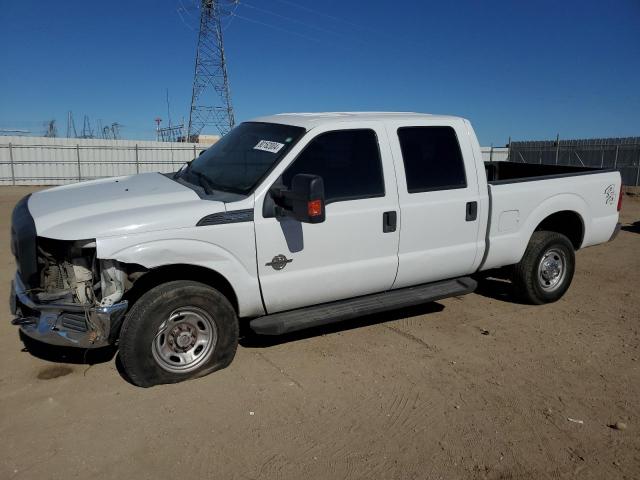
(269,146)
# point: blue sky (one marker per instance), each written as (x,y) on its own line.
(522,69)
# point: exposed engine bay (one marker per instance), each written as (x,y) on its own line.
(70,272)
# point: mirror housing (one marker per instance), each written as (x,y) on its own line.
(304,201)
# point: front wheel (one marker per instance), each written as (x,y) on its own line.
(176,331)
(546,269)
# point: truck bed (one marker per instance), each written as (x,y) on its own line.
(512,172)
(522,195)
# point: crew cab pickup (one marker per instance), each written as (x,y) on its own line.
(293,221)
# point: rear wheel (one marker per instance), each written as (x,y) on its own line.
(176,331)
(545,272)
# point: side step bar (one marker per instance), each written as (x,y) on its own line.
(326,313)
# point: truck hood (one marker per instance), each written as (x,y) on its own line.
(117,206)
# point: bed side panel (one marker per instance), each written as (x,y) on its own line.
(518,208)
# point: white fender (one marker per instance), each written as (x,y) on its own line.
(238,269)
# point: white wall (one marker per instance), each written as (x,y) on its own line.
(494,154)
(54,161)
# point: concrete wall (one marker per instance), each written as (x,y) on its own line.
(56,161)
(494,154)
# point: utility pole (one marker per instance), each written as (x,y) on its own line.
(115,130)
(168,108)
(87,131)
(158,120)
(71,126)
(51,130)
(210,99)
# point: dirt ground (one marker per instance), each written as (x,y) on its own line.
(474,387)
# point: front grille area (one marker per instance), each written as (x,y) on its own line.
(23,243)
(74,321)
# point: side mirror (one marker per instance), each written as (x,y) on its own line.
(304,201)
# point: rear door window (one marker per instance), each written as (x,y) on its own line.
(432,159)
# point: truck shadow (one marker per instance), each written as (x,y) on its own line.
(632,227)
(496,284)
(249,339)
(72,355)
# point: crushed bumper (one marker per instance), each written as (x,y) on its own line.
(65,324)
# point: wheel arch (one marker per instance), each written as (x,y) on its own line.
(232,272)
(508,247)
(566,222)
(165,273)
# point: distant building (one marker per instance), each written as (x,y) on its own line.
(207,139)
(201,139)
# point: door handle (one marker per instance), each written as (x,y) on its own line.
(472,211)
(389,221)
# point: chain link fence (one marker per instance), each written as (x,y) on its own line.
(622,154)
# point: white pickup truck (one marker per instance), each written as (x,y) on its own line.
(292,221)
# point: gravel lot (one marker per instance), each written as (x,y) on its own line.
(473,387)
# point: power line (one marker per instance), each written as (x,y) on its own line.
(342,45)
(291,32)
(322,14)
(178,11)
(186,10)
(295,20)
(231,15)
(378,32)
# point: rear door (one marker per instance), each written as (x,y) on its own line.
(439,201)
(351,253)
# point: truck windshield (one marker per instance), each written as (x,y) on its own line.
(239,160)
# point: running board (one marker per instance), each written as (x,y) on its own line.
(326,313)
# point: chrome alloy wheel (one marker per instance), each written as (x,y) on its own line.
(552,269)
(185,340)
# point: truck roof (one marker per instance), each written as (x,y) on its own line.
(313,119)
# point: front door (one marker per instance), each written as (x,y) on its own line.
(352,252)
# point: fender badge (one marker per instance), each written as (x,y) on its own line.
(610,195)
(278,262)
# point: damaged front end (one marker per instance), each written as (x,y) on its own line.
(62,293)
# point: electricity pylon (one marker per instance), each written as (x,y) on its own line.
(210,99)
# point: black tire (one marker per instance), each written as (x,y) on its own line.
(534,283)
(147,324)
